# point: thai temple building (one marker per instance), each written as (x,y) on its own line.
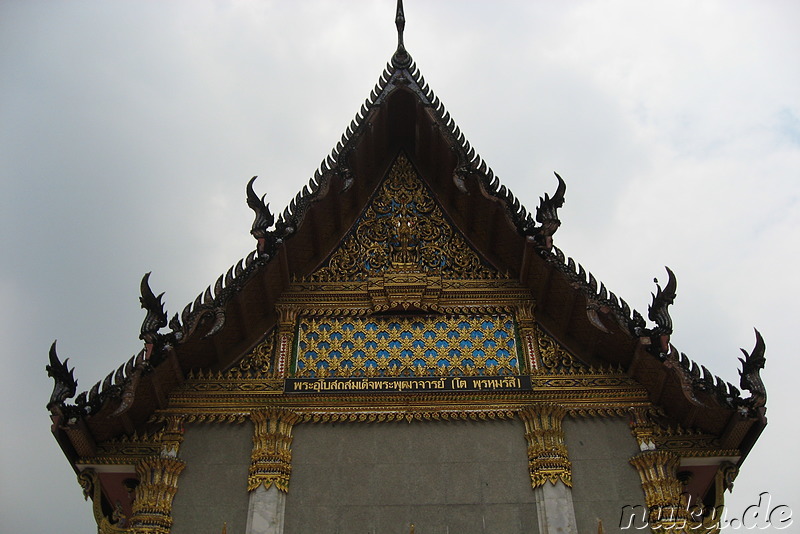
(407,350)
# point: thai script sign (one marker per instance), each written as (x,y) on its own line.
(408,384)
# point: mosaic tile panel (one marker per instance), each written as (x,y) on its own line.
(406,346)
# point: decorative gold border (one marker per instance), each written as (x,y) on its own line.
(271,459)
(548,460)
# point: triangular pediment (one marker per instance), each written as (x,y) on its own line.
(403,227)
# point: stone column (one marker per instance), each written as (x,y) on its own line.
(158,483)
(270,469)
(663,492)
(550,468)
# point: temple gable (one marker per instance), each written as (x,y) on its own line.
(403,229)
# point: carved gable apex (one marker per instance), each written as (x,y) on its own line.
(403,234)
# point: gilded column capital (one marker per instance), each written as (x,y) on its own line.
(663,492)
(525,312)
(158,483)
(548,460)
(271,460)
(172,436)
(642,428)
(287,315)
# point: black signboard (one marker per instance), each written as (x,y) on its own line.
(425,384)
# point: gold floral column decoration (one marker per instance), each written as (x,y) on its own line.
(642,428)
(547,453)
(172,436)
(158,483)
(285,339)
(271,460)
(527,334)
(663,492)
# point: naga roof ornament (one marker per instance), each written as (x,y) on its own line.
(658,312)
(155,318)
(263,220)
(547,216)
(750,375)
(65,384)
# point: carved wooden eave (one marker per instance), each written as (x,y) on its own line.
(402,115)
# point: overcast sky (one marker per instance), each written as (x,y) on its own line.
(128,131)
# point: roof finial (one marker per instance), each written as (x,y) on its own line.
(400,22)
(401,59)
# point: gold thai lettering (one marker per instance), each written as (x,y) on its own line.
(400,385)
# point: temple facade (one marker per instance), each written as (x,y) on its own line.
(406,350)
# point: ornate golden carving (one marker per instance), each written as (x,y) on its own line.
(463,413)
(285,337)
(554,358)
(403,225)
(547,454)
(727,473)
(209,382)
(172,436)
(651,436)
(642,428)
(405,286)
(258,363)
(527,334)
(216,397)
(407,346)
(663,492)
(157,469)
(121,450)
(271,460)
(90,483)
(158,483)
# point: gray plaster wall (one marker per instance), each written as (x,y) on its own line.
(603,481)
(212,489)
(378,478)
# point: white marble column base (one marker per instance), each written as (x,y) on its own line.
(266,511)
(555,509)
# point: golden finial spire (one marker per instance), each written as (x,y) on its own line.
(400,59)
(400,22)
